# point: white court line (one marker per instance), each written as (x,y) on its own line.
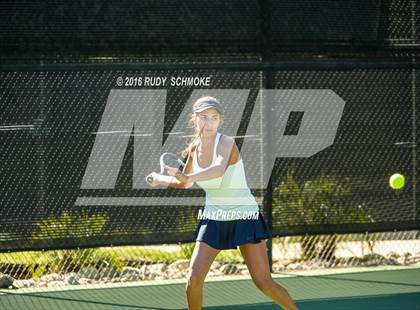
(110,132)
(16,127)
(121,132)
(174,133)
(247,136)
(128,133)
(136,135)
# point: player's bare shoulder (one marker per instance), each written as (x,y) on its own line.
(228,145)
(227,140)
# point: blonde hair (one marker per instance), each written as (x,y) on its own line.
(191,124)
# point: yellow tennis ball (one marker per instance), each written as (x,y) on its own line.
(397,181)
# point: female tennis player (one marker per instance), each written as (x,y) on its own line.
(229,220)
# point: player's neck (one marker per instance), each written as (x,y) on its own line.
(207,141)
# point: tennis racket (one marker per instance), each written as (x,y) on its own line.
(171,160)
(168,159)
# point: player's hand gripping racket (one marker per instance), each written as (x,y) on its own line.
(167,159)
(171,160)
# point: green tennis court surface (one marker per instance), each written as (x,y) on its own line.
(379,289)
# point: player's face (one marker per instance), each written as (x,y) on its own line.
(209,121)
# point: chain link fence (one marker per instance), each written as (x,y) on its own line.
(58,268)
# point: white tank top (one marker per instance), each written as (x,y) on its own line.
(227,197)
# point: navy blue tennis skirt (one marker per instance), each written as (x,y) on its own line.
(230,234)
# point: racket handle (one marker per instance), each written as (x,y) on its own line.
(149,179)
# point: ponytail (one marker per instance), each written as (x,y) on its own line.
(196,136)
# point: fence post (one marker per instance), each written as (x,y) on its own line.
(267,83)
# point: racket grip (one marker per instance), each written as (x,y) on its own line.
(149,179)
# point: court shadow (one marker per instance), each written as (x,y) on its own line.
(377,302)
(372,302)
(259,306)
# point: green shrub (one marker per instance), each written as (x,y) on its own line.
(325,200)
(77,228)
(230,256)
(187,249)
